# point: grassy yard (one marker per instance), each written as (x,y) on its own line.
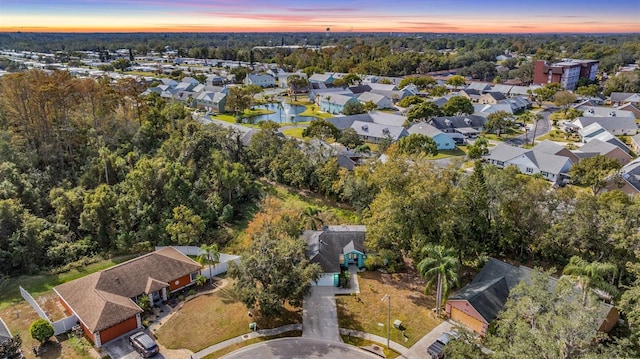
(44,283)
(359,342)
(366,312)
(19,316)
(449,153)
(213,318)
(294,132)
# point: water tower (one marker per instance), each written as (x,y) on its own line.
(328,31)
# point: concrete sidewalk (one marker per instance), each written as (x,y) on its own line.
(259,333)
(377,339)
(419,349)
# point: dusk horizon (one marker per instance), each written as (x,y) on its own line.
(491,17)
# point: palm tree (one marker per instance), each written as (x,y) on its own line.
(590,275)
(210,255)
(439,266)
(311,217)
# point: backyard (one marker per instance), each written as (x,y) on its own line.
(368,313)
(212,318)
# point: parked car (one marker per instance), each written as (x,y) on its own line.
(436,349)
(144,344)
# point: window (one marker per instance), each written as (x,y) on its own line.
(500,163)
(194,275)
(529,170)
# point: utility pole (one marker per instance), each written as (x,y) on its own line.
(388,298)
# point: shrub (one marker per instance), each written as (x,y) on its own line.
(192,292)
(41,330)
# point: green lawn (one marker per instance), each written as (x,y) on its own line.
(366,312)
(359,342)
(212,318)
(294,132)
(449,153)
(43,283)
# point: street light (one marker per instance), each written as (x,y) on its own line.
(388,297)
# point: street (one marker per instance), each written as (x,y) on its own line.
(544,126)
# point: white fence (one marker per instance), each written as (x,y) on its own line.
(217,269)
(59,326)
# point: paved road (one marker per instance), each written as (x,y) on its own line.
(320,315)
(300,348)
(544,126)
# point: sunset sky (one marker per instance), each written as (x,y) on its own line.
(340,15)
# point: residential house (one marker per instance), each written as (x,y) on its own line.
(620,126)
(315,94)
(472,94)
(486,110)
(335,248)
(283,79)
(212,101)
(502,88)
(491,98)
(359,89)
(382,118)
(552,167)
(215,80)
(325,78)
(394,95)
(5,334)
(105,302)
(477,304)
(597,147)
(635,144)
(566,73)
(620,98)
(380,100)
(382,87)
(262,80)
(480,87)
(627,180)
(599,111)
(596,131)
(469,126)
(630,107)
(553,148)
(335,103)
(443,141)
(376,133)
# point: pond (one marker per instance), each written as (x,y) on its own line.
(284,112)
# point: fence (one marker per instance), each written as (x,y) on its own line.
(221,267)
(59,326)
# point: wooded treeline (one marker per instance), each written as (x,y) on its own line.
(365,53)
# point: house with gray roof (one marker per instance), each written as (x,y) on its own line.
(553,148)
(627,180)
(620,126)
(335,102)
(382,118)
(443,141)
(381,101)
(597,147)
(212,101)
(631,107)
(491,98)
(376,133)
(325,78)
(315,94)
(469,126)
(262,80)
(486,110)
(596,131)
(552,167)
(335,248)
(481,87)
(5,334)
(599,111)
(620,98)
(477,304)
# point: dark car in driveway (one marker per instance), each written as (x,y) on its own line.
(144,344)
(436,349)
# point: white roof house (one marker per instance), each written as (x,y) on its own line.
(551,167)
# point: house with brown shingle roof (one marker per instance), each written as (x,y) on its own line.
(105,302)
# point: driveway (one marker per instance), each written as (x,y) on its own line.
(320,315)
(121,349)
(419,349)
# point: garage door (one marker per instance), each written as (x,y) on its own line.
(466,320)
(326,280)
(118,329)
